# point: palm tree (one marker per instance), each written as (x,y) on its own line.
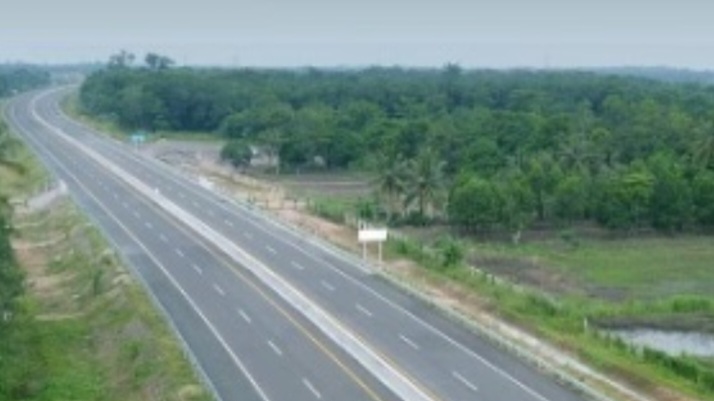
(391,181)
(426,179)
(703,150)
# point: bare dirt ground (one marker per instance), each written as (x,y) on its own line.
(278,197)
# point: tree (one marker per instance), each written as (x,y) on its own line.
(703,148)
(703,198)
(571,197)
(671,200)
(425,182)
(272,142)
(474,203)
(123,59)
(543,175)
(516,201)
(139,108)
(157,62)
(624,197)
(391,181)
(238,153)
(556,146)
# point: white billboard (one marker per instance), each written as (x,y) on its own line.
(372,235)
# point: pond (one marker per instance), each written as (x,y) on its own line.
(670,342)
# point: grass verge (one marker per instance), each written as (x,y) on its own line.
(560,319)
(86,330)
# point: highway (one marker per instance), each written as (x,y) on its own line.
(290,320)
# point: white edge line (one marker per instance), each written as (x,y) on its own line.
(336,329)
(175,283)
(172,175)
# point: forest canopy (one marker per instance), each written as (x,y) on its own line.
(505,149)
(15,79)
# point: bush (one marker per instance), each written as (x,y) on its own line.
(238,153)
(451,252)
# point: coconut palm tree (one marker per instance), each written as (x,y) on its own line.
(426,181)
(703,151)
(391,181)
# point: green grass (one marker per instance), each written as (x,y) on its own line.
(639,268)
(559,318)
(85,329)
(331,208)
(106,341)
(32,178)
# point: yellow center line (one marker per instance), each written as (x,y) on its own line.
(268,298)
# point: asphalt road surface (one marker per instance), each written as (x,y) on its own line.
(247,340)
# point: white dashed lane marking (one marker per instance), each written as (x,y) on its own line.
(312,388)
(327,286)
(275,348)
(219,290)
(197,269)
(364,310)
(409,341)
(465,382)
(244,316)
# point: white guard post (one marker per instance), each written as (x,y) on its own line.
(366,235)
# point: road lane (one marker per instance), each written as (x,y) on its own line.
(310,354)
(451,348)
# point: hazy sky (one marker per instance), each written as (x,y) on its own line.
(472,33)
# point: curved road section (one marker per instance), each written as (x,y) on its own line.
(264,312)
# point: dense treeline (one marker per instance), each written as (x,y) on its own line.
(487,149)
(21,78)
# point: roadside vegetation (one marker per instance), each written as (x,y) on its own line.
(19,78)
(74,325)
(565,201)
